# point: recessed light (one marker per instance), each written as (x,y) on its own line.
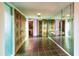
(38,13)
(67,15)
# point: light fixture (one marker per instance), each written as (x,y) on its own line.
(38,14)
(68,15)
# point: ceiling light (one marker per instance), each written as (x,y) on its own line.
(67,15)
(38,13)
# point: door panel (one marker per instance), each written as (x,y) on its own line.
(44,28)
(40,28)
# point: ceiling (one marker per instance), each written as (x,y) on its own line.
(45,8)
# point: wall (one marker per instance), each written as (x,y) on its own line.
(1,29)
(14,25)
(35,24)
(27,34)
(20,30)
(76,29)
(8,30)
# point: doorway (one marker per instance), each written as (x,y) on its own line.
(40,28)
(30,28)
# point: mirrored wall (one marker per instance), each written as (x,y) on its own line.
(63,34)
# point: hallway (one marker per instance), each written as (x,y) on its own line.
(40,46)
(32,31)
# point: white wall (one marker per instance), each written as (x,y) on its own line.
(1,28)
(56,25)
(67,30)
(76,29)
(35,24)
(27,34)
